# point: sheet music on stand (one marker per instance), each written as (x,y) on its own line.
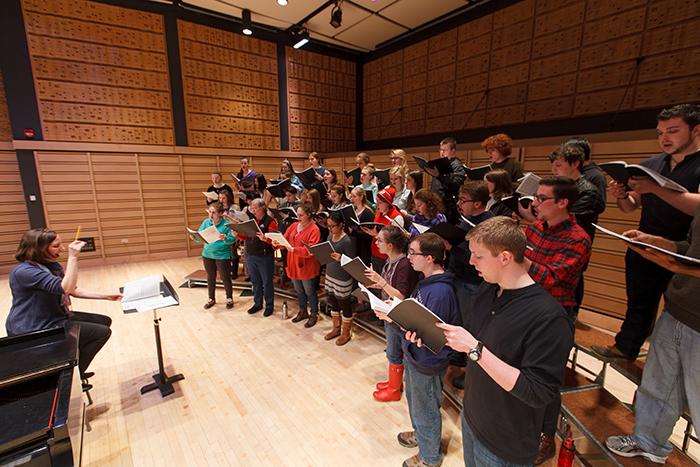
(148,293)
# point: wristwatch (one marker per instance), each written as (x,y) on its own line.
(475,353)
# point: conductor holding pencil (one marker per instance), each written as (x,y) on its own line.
(41,291)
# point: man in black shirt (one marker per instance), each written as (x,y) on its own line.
(447,185)
(518,338)
(664,215)
(217,186)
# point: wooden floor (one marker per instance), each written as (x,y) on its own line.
(257,391)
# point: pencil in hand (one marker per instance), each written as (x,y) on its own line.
(77,233)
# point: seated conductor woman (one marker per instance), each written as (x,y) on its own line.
(41,291)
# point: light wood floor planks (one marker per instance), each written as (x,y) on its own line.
(257,391)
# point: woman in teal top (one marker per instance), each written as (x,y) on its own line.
(217,255)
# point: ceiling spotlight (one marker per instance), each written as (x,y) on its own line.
(282,2)
(300,37)
(246,24)
(336,15)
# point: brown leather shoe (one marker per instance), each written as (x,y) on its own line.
(611,352)
(416,461)
(301,316)
(407,439)
(311,322)
(546,450)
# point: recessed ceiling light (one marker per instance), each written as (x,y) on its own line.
(282,2)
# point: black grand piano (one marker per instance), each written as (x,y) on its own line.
(42,413)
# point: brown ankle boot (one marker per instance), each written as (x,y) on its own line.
(311,322)
(301,316)
(345,333)
(335,332)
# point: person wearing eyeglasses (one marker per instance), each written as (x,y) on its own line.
(471,203)
(518,340)
(424,370)
(558,251)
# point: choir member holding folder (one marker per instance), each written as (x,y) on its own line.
(386,214)
(363,213)
(216,255)
(424,369)
(302,267)
(260,258)
(428,207)
(397,280)
(339,284)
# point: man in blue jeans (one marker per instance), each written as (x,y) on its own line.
(517,339)
(671,379)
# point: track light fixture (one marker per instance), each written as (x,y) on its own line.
(336,15)
(300,37)
(246,24)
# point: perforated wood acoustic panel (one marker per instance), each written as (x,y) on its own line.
(231,92)
(100,72)
(5,129)
(537,60)
(321,102)
(14,220)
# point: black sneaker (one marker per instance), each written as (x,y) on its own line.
(268,312)
(254,309)
(209,304)
(229,304)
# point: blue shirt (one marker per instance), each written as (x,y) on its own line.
(36,299)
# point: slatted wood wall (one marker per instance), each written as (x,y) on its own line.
(230,84)
(14,220)
(537,60)
(134,205)
(322,102)
(100,71)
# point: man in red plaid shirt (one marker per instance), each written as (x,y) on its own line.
(558,250)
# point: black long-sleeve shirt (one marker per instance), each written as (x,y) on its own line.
(447,186)
(529,330)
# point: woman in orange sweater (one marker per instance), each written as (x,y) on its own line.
(302,267)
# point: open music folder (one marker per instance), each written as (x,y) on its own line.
(148,293)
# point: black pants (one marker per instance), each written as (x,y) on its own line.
(340,304)
(645,283)
(94,334)
(224,268)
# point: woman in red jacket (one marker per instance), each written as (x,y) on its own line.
(302,267)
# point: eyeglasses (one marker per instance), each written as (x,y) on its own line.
(465,200)
(416,253)
(542,198)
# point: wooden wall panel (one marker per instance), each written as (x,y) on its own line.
(537,60)
(100,72)
(5,127)
(14,220)
(230,85)
(134,205)
(321,91)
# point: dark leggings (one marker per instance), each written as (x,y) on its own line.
(224,268)
(342,304)
(94,334)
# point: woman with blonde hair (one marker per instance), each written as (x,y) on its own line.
(397,178)
(364,213)
(398,159)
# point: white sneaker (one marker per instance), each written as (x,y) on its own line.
(626,446)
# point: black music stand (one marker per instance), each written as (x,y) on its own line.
(162,381)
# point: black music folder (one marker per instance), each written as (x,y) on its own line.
(322,252)
(413,316)
(442,164)
(356,268)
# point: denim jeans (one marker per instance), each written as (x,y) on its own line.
(307,291)
(671,377)
(424,394)
(261,269)
(393,344)
(476,454)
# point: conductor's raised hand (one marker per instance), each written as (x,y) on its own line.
(457,337)
(75,247)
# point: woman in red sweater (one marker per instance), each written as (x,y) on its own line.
(302,267)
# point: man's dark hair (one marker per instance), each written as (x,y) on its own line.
(690,113)
(583,143)
(432,245)
(571,153)
(450,141)
(562,188)
(477,191)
